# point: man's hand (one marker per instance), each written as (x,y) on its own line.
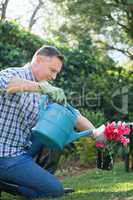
(57,94)
(99,133)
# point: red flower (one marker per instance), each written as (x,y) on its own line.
(109,131)
(116,132)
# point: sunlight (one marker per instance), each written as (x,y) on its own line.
(48,17)
(82,191)
(122,186)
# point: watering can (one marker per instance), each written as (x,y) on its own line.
(55,125)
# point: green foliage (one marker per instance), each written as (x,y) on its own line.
(86,76)
(17,45)
(85,149)
(101,16)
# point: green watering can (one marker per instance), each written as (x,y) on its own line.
(55,125)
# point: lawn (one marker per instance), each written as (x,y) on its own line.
(97,185)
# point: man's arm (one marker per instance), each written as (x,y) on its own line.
(83,123)
(17,84)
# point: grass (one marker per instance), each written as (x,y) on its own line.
(97,185)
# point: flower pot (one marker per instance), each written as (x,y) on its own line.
(104,160)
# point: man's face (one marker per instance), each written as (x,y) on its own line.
(47,67)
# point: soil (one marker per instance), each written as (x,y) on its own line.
(74,169)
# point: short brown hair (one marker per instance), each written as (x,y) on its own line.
(50,51)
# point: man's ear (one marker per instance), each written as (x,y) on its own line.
(38,59)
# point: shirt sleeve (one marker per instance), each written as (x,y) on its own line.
(77,111)
(5,77)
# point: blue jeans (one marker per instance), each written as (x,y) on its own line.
(33,180)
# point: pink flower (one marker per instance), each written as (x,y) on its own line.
(99,144)
(123,128)
(109,130)
(124,141)
(116,132)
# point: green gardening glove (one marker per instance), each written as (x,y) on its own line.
(57,94)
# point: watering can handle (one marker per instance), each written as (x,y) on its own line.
(43,102)
(74,111)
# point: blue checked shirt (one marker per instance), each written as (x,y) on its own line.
(18,113)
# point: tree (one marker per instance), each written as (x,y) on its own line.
(111,18)
(35,11)
(3,7)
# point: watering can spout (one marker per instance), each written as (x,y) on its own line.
(77,135)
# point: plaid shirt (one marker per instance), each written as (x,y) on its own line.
(18,113)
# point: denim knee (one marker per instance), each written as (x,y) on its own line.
(57,192)
(31,194)
(51,192)
(54,192)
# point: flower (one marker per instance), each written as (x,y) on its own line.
(115,132)
(115,137)
(99,144)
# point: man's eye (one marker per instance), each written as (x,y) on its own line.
(53,71)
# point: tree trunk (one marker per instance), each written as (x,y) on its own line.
(3,9)
(33,19)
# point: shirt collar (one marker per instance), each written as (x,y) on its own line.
(28,67)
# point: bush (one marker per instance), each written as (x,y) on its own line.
(17,45)
(85,149)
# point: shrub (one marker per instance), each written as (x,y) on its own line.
(17,45)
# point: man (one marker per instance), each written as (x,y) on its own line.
(21,89)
